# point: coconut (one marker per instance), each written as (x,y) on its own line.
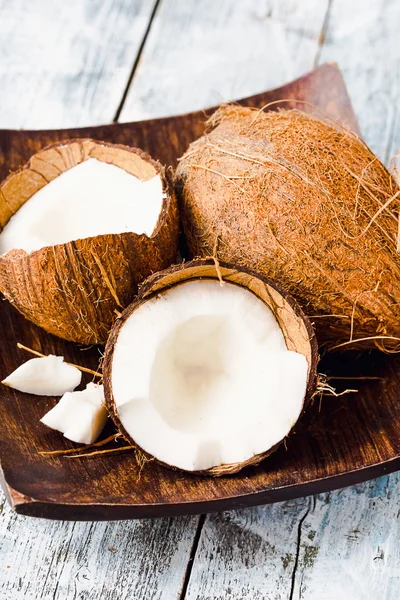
(225,364)
(309,205)
(83,223)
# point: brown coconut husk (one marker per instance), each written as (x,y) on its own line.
(296,328)
(73,290)
(308,204)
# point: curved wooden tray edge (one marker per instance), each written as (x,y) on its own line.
(27,506)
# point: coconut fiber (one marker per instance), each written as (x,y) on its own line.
(309,205)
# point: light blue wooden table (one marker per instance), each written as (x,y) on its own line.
(93,61)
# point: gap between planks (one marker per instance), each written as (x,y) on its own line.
(310,507)
(136,62)
(322,35)
(189,566)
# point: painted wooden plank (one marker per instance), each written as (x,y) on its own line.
(202,52)
(248,554)
(342,544)
(42,559)
(67,63)
(362,37)
(349,545)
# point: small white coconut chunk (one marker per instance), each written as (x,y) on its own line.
(47,376)
(80,416)
(211,381)
(90,199)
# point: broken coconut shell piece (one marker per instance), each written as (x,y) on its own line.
(209,368)
(54,268)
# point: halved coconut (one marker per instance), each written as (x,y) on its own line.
(207,377)
(83,223)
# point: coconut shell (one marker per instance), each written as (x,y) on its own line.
(309,205)
(296,328)
(73,290)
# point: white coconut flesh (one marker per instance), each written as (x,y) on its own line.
(45,376)
(90,199)
(201,376)
(80,416)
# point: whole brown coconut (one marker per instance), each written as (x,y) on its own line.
(73,290)
(296,328)
(309,205)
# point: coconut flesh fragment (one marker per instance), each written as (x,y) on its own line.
(90,199)
(46,376)
(80,416)
(211,382)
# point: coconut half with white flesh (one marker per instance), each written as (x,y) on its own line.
(209,377)
(81,225)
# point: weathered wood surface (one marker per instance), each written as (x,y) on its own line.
(89,561)
(67,63)
(362,37)
(200,52)
(342,561)
(341,545)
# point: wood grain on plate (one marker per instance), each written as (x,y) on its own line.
(340,442)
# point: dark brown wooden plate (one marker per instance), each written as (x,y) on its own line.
(339,441)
